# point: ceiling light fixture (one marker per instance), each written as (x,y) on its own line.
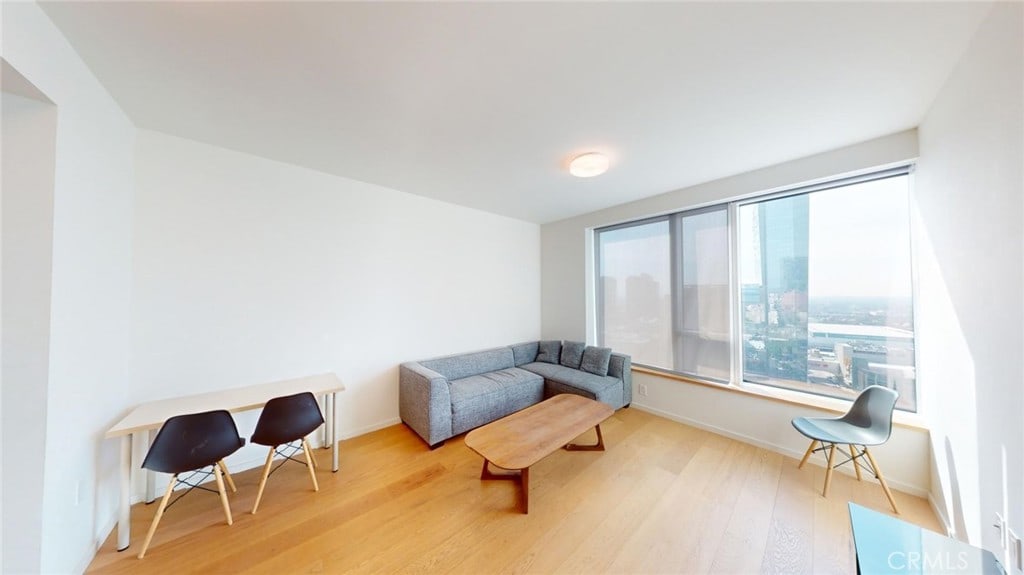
(588,165)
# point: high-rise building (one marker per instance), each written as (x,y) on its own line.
(782,228)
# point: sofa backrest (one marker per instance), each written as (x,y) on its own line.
(524,353)
(474,363)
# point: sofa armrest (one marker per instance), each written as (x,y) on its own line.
(424,402)
(621,366)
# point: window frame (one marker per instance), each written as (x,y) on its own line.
(678,266)
(599,285)
(737,380)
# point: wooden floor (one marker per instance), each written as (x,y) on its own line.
(664,498)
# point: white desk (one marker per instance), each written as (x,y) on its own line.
(151,415)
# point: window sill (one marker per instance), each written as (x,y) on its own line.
(837,406)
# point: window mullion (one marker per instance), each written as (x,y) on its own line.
(736,318)
(676,262)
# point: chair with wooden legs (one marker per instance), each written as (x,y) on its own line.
(867,423)
(284,421)
(193,443)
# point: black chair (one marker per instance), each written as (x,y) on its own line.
(193,442)
(286,420)
(868,422)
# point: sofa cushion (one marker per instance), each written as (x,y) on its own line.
(524,352)
(572,354)
(548,351)
(561,379)
(480,399)
(467,364)
(596,360)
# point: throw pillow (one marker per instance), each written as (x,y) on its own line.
(547,351)
(596,360)
(523,353)
(572,354)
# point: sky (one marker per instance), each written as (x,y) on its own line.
(859,243)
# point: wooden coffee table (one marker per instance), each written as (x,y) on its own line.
(517,441)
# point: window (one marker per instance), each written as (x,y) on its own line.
(634,291)
(663,292)
(825,280)
(701,334)
(815,294)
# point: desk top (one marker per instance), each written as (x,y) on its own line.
(885,544)
(153,414)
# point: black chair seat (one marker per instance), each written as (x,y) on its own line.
(286,419)
(192,442)
(283,421)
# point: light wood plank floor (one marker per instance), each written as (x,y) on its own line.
(664,498)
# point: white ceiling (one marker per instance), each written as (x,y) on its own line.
(481,104)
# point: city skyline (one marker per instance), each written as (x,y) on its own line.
(874,264)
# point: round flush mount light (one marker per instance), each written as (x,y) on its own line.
(588,165)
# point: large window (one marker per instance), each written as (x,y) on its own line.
(814,295)
(663,292)
(634,291)
(702,295)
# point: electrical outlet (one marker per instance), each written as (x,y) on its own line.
(642,388)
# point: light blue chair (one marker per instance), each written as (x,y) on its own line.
(868,422)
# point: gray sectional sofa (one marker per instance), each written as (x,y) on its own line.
(445,396)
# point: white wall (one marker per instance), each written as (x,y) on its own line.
(29,136)
(249,270)
(566,273)
(90,294)
(970,201)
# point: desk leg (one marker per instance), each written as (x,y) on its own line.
(150,476)
(334,430)
(124,526)
(327,422)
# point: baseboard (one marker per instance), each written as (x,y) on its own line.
(101,535)
(109,526)
(86,560)
(894,483)
(940,512)
(373,427)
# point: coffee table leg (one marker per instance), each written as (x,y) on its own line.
(524,482)
(522,478)
(599,446)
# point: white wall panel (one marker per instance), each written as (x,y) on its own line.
(29,138)
(249,270)
(970,209)
(91,287)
